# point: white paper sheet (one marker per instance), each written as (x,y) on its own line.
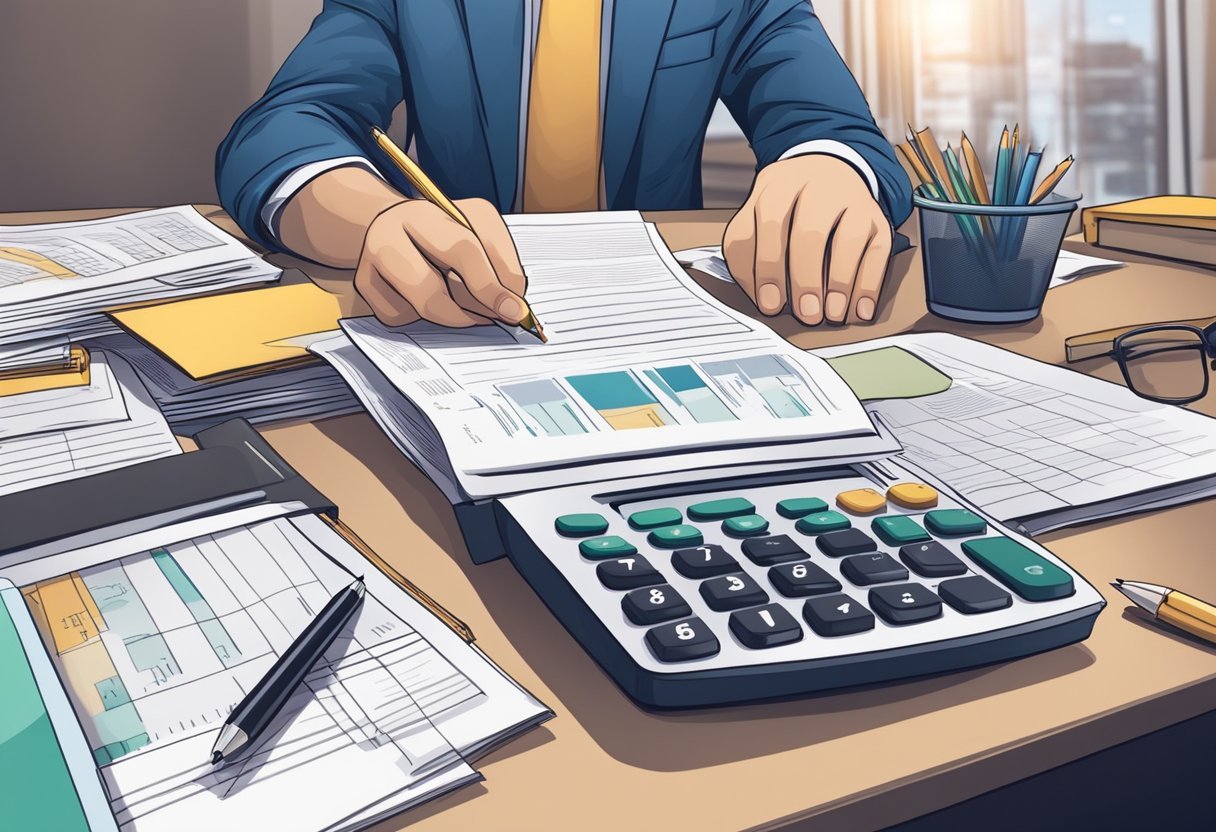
(1068,267)
(101,445)
(640,361)
(99,402)
(1024,439)
(167,639)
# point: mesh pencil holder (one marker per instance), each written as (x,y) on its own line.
(990,263)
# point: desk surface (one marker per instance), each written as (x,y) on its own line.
(859,759)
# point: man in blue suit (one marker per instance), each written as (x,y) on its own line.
(564,105)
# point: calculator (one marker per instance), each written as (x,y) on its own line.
(712,591)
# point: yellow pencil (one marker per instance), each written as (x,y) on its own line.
(1051,180)
(933,155)
(430,191)
(976,170)
(916,164)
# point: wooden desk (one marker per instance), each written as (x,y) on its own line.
(855,760)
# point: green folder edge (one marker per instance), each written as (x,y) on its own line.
(48,779)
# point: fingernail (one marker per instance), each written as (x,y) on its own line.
(865,309)
(808,307)
(836,305)
(769,297)
(511,309)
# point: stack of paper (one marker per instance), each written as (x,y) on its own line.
(57,279)
(305,391)
(643,370)
(57,434)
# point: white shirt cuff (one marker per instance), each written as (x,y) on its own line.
(842,151)
(297,179)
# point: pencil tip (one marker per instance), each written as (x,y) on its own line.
(216,757)
(1118,581)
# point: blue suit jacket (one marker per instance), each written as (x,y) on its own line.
(456,64)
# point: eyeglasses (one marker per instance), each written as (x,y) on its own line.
(1166,362)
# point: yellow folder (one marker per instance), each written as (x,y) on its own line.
(74,374)
(233,334)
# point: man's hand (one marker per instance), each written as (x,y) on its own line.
(810,234)
(417,262)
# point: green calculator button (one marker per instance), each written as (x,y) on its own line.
(796,507)
(955,522)
(1026,572)
(745,525)
(608,546)
(823,521)
(580,525)
(675,537)
(898,530)
(652,518)
(720,509)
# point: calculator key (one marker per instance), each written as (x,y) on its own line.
(973,594)
(1024,571)
(703,561)
(796,580)
(580,525)
(673,537)
(823,521)
(745,525)
(905,603)
(845,542)
(768,626)
(912,495)
(931,560)
(796,507)
(608,546)
(720,509)
(955,522)
(682,641)
(655,604)
(628,573)
(776,548)
(875,568)
(898,530)
(653,518)
(732,592)
(837,615)
(861,501)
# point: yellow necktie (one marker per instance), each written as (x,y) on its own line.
(562,159)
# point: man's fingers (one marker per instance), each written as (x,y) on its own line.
(389,307)
(496,239)
(871,274)
(772,240)
(448,244)
(808,252)
(409,274)
(849,242)
(739,249)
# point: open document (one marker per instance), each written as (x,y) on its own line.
(59,277)
(167,635)
(1034,445)
(641,363)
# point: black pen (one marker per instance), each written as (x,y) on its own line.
(251,716)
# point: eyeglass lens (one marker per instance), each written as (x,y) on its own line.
(1165,363)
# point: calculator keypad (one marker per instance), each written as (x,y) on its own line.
(837,615)
(628,573)
(682,641)
(704,562)
(767,626)
(797,580)
(732,592)
(650,605)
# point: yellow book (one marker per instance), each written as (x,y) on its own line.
(75,374)
(233,334)
(1175,227)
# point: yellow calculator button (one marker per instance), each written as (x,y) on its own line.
(861,501)
(912,495)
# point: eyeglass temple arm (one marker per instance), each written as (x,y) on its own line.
(1102,343)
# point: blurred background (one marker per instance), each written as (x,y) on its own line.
(122,103)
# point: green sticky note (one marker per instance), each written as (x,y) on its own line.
(889,373)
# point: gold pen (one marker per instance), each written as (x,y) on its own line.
(430,191)
(1173,607)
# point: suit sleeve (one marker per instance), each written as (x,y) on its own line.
(785,84)
(343,77)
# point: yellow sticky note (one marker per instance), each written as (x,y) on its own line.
(232,333)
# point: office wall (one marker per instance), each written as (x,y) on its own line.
(122,102)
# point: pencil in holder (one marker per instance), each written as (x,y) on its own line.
(990,263)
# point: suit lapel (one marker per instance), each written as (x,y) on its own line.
(495,34)
(638,28)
